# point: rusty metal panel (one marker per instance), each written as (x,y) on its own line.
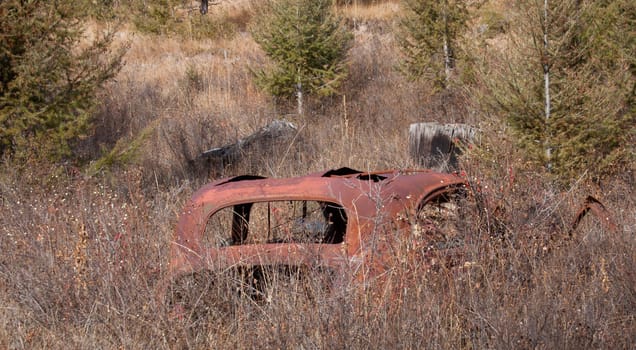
(597,208)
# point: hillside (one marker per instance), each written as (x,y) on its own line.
(85,241)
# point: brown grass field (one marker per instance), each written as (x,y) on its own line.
(84,249)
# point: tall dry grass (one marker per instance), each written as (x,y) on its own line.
(82,256)
(82,260)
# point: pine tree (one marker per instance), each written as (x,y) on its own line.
(48,81)
(308,47)
(568,93)
(429,36)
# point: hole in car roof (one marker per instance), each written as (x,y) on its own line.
(348,171)
(242,178)
(341,172)
(372,177)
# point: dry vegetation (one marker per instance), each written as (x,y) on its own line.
(82,254)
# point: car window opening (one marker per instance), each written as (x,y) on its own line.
(277,222)
(240,222)
(438,221)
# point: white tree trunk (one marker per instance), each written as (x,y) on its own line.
(546,80)
(299,98)
(447,59)
(447,51)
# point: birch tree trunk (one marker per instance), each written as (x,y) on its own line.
(299,97)
(447,54)
(546,87)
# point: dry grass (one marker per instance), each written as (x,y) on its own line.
(82,261)
(190,96)
(82,256)
(374,11)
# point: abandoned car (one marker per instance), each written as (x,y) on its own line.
(343,220)
(353,225)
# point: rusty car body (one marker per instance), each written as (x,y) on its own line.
(340,219)
(344,221)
